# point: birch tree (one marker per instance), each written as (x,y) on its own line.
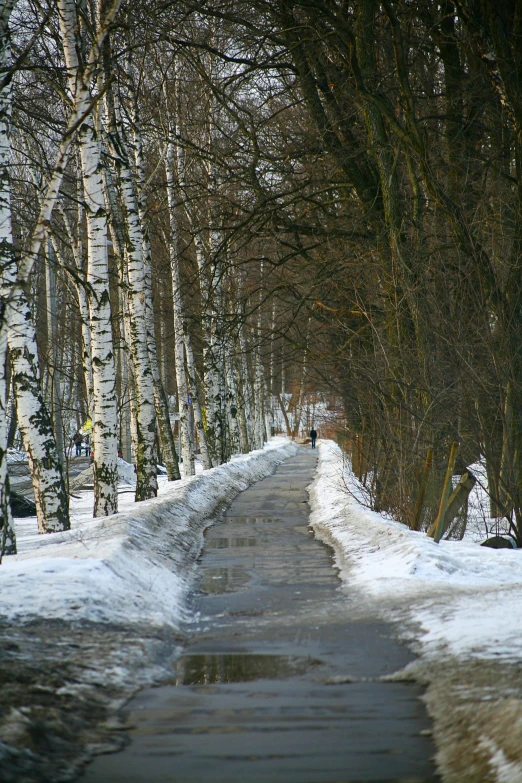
(7,534)
(146,470)
(160,397)
(104,432)
(196,403)
(34,421)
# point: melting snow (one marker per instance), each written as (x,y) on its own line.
(467,598)
(132,567)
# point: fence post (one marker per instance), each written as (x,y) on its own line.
(439,522)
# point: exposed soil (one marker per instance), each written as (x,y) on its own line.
(476,707)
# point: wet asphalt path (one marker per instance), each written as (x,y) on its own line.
(257,697)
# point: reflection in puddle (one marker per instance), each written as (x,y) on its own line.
(201,669)
(223,580)
(250,520)
(225,543)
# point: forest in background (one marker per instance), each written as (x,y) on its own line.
(224,203)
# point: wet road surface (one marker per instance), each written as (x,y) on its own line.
(276,683)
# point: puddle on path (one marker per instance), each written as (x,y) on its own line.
(202,668)
(223,580)
(248,521)
(226,543)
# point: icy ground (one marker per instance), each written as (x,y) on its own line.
(457,603)
(90,615)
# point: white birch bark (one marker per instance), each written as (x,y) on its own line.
(283,371)
(269,417)
(259,383)
(235,412)
(282,396)
(131,385)
(104,432)
(104,409)
(247,393)
(259,412)
(187,440)
(209,380)
(270,394)
(232,407)
(82,108)
(243,373)
(244,436)
(35,424)
(215,372)
(11,407)
(125,409)
(272,356)
(53,360)
(217,352)
(146,467)
(196,404)
(214,369)
(259,425)
(240,368)
(162,406)
(118,247)
(162,354)
(7,534)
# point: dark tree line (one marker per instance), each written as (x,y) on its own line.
(386,166)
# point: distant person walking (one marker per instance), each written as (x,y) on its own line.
(313,436)
(77,440)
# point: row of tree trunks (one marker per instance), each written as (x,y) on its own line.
(111,196)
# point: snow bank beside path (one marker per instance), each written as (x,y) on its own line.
(466,598)
(132,567)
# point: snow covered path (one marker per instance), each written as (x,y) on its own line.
(278,681)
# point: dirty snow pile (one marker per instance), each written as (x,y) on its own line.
(466,598)
(132,567)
